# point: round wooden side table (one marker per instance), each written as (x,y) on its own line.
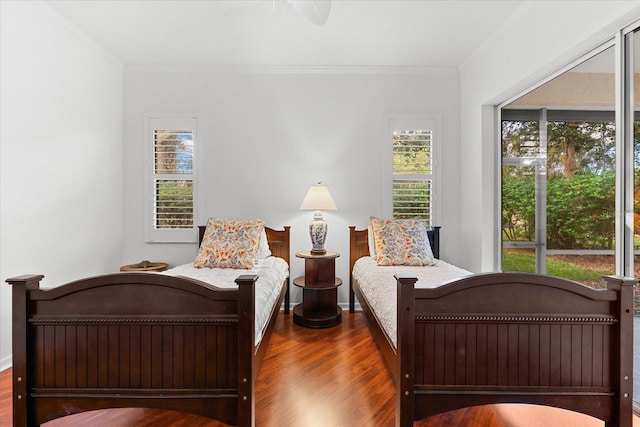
(319,307)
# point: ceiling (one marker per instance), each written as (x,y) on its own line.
(357,33)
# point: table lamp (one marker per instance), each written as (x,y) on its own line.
(318,199)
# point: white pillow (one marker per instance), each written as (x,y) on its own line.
(371,240)
(263,246)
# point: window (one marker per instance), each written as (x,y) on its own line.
(409,167)
(171,197)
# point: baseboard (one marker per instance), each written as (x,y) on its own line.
(6,362)
(345,306)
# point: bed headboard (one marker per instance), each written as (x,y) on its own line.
(278,240)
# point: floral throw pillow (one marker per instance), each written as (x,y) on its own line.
(401,242)
(229,244)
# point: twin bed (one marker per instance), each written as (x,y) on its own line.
(172,342)
(463,340)
(146,340)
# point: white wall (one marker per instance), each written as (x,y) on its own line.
(60,154)
(66,182)
(266,135)
(538,39)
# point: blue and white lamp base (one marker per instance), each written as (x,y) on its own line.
(318,232)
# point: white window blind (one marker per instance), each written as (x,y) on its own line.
(172,200)
(173,178)
(410,184)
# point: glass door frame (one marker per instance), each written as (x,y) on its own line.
(625,161)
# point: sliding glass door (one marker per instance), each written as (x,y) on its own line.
(570,173)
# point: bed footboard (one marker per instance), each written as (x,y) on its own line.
(133,340)
(515,338)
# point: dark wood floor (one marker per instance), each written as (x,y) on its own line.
(321,378)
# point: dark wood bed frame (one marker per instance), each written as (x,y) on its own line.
(138,340)
(508,338)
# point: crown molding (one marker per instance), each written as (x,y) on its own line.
(292,69)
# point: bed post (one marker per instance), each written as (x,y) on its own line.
(405,346)
(624,287)
(434,240)
(352,255)
(287,295)
(21,286)
(246,350)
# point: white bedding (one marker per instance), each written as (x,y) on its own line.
(380,287)
(271,271)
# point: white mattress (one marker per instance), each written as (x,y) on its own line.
(380,288)
(271,271)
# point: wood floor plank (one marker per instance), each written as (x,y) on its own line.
(330,377)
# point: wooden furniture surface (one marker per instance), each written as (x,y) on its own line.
(145,266)
(319,307)
(138,340)
(309,371)
(508,338)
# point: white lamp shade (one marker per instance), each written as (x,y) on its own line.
(318,198)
